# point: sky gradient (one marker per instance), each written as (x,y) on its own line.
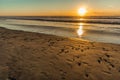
(58,7)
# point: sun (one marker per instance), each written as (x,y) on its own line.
(82,11)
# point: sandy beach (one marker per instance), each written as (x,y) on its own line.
(34,56)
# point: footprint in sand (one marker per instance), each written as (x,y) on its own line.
(79,63)
(104,49)
(107,55)
(86,75)
(11,78)
(51,43)
(63,74)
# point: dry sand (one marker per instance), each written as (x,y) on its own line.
(33,56)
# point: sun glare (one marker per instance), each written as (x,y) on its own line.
(80,30)
(82,11)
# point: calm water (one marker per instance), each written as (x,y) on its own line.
(99,29)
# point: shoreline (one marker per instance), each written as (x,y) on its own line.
(74,38)
(107,33)
(29,55)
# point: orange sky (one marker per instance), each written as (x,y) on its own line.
(58,7)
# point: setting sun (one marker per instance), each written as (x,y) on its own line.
(82,11)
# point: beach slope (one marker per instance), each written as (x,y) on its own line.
(33,56)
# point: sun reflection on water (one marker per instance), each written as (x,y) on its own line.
(80,30)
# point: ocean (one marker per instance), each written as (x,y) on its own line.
(93,28)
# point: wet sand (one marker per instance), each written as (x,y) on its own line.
(33,56)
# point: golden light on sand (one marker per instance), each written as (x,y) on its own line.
(82,11)
(80,30)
